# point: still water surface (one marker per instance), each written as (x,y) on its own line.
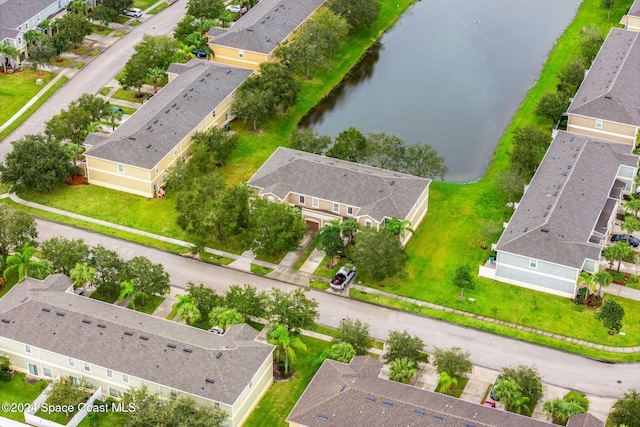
(451,73)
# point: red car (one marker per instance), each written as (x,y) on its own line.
(489,403)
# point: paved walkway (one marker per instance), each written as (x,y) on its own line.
(288,274)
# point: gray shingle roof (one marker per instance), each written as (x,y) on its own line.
(76,334)
(159,125)
(16,12)
(379,193)
(635,8)
(265,25)
(353,395)
(566,197)
(584,420)
(611,89)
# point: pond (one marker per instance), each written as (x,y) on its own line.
(451,73)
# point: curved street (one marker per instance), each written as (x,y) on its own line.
(487,350)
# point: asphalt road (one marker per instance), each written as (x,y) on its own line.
(99,72)
(487,350)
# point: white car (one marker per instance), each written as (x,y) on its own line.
(235,8)
(134,12)
(342,278)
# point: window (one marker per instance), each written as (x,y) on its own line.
(72,362)
(47,372)
(75,381)
(113,392)
(125,378)
(109,373)
(226,117)
(349,210)
(33,369)
(88,384)
(157,169)
(120,168)
(336,207)
(164,178)
(27,349)
(599,123)
(533,263)
(315,203)
(301,198)
(156,187)
(241,54)
(367,223)
(271,199)
(175,151)
(87,367)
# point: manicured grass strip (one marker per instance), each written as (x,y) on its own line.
(150,304)
(129,95)
(216,259)
(306,254)
(498,329)
(457,392)
(109,299)
(20,392)
(17,89)
(125,110)
(95,29)
(278,402)
(97,228)
(257,269)
(158,8)
(323,285)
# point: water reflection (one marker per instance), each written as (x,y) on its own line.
(451,73)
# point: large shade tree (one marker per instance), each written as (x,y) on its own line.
(377,254)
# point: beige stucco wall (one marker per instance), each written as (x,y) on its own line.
(232,56)
(417,214)
(609,130)
(252,394)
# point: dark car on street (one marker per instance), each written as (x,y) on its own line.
(633,241)
(342,278)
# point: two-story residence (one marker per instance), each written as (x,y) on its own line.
(633,17)
(254,37)
(606,105)
(354,395)
(47,330)
(136,156)
(19,16)
(565,214)
(324,189)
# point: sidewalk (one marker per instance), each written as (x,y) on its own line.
(244,261)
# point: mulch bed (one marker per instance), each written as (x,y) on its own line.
(77,180)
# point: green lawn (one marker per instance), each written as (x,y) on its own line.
(144,4)
(33,108)
(276,405)
(129,95)
(159,8)
(95,29)
(257,269)
(17,89)
(18,391)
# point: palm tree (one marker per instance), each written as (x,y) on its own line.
(3,50)
(342,352)
(73,151)
(402,370)
(156,74)
(603,279)
(21,263)
(617,252)
(47,24)
(12,53)
(398,227)
(519,404)
(200,42)
(186,51)
(114,113)
(587,280)
(632,206)
(225,317)
(188,311)
(82,274)
(560,411)
(288,344)
(506,391)
(35,37)
(128,290)
(447,383)
(79,7)
(349,228)
(630,224)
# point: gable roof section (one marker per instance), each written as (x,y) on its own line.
(565,199)
(378,193)
(160,124)
(70,328)
(265,25)
(14,13)
(584,420)
(353,395)
(611,89)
